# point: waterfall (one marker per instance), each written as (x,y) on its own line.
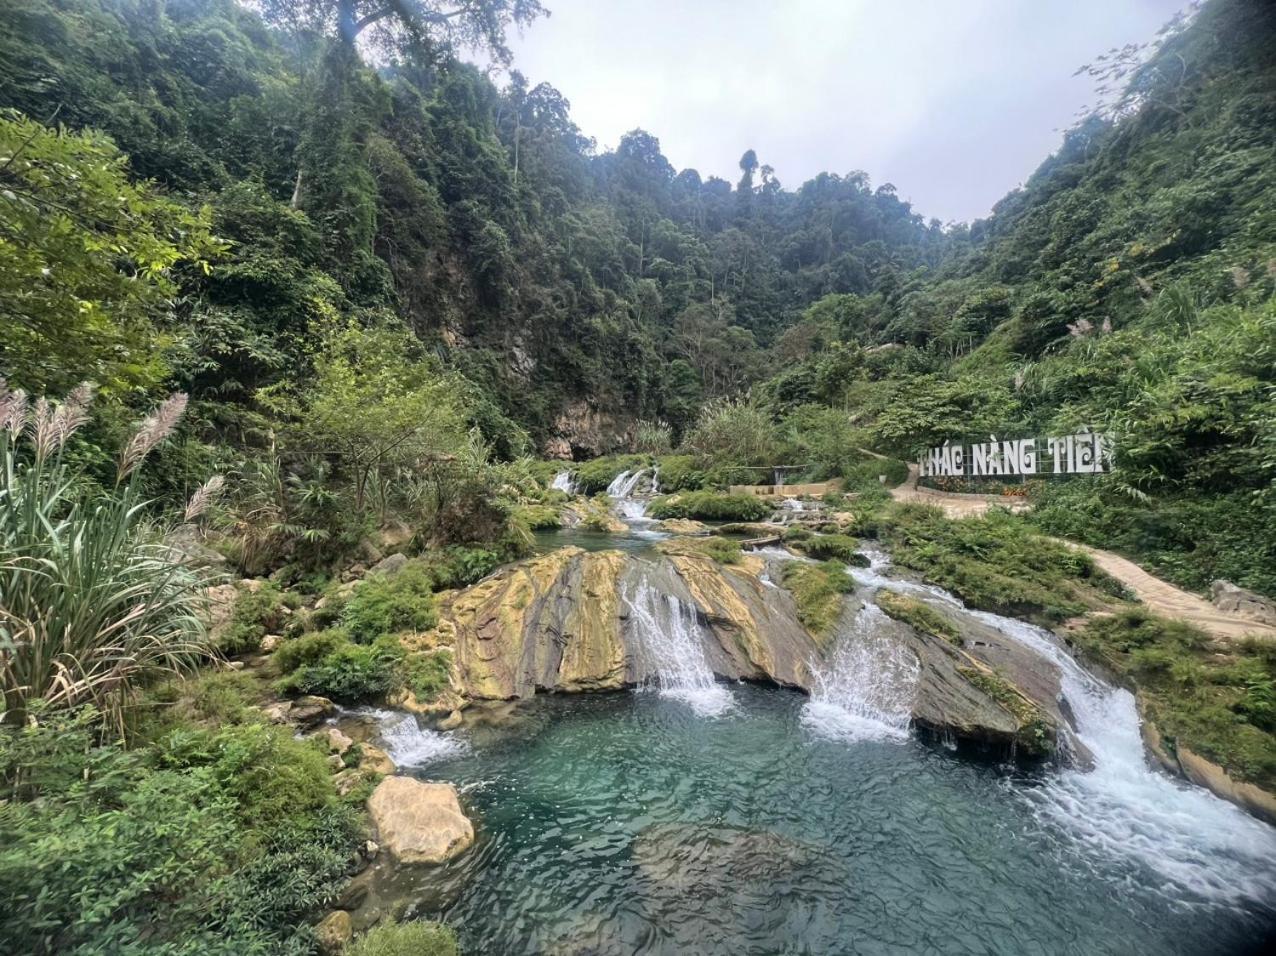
(623,485)
(408,744)
(622,490)
(671,645)
(563,482)
(865,690)
(1122,807)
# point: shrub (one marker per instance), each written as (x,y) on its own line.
(308,649)
(350,673)
(94,603)
(269,775)
(405,939)
(256,614)
(822,547)
(211,842)
(427,675)
(997,562)
(680,473)
(732,432)
(391,603)
(818,590)
(540,517)
(710,506)
(459,566)
(1215,699)
(653,438)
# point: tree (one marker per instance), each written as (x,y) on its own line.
(395,26)
(86,261)
(375,403)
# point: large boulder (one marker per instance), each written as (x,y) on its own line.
(1236,600)
(419,822)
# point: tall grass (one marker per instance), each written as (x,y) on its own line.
(92,602)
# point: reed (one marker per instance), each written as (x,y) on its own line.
(93,604)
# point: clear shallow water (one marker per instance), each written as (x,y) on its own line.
(628,823)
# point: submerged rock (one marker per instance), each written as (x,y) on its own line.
(419,822)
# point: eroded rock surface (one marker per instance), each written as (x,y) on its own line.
(560,622)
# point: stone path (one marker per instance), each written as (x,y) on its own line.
(1156,595)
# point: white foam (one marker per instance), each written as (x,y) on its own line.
(672,642)
(866,689)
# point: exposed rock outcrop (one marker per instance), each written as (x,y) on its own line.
(1236,600)
(560,622)
(419,822)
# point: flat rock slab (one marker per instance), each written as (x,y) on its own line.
(419,822)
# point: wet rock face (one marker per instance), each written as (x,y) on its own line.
(560,622)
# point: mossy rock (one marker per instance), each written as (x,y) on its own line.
(920,616)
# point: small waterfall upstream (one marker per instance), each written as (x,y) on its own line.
(1122,807)
(671,644)
(623,490)
(410,745)
(865,690)
(563,482)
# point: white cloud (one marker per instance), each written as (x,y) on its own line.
(953,102)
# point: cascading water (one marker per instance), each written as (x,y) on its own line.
(563,482)
(670,641)
(1192,839)
(623,488)
(865,690)
(408,744)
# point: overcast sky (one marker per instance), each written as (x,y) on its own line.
(953,101)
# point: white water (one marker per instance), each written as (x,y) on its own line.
(563,482)
(622,488)
(866,689)
(623,485)
(671,641)
(1122,807)
(408,744)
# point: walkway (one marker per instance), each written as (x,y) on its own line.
(1156,595)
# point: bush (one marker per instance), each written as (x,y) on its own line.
(710,506)
(1215,699)
(540,517)
(256,614)
(427,675)
(405,939)
(94,603)
(822,547)
(391,603)
(732,432)
(269,775)
(350,673)
(459,566)
(210,842)
(679,473)
(996,563)
(308,649)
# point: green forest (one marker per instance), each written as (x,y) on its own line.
(296,275)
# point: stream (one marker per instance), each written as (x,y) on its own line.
(695,816)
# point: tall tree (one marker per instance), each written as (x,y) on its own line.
(395,26)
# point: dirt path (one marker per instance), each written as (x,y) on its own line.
(1159,597)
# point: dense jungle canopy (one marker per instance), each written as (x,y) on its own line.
(293,208)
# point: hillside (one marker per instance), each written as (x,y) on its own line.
(1128,286)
